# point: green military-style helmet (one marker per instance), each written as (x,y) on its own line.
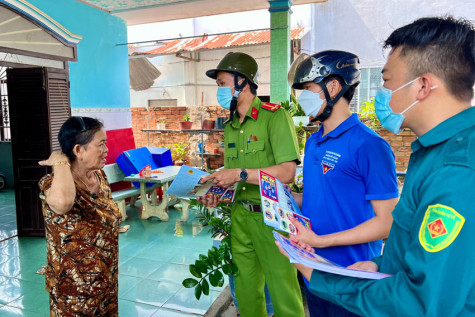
(236,62)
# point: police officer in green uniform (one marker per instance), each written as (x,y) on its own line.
(428,87)
(257,136)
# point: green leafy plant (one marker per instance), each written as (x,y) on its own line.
(369,115)
(293,107)
(179,151)
(301,137)
(210,268)
(297,184)
(186,118)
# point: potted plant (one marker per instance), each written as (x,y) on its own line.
(179,152)
(161,125)
(208,124)
(295,111)
(186,123)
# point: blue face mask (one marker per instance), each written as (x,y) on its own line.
(310,102)
(224,97)
(390,120)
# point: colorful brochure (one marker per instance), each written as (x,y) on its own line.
(278,204)
(187,185)
(314,261)
(225,194)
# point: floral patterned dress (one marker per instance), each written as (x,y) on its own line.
(82,253)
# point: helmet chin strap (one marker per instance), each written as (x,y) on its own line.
(330,102)
(237,91)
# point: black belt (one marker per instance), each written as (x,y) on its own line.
(251,207)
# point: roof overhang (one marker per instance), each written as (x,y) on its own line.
(26,30)
(148,11)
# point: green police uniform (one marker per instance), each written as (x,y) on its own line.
(430,248)
(265,138)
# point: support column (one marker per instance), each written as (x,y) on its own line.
(279,50)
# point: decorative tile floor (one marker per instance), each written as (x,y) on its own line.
(153,261)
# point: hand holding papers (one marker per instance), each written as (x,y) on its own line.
(187,184)
(314,261)
(278,204)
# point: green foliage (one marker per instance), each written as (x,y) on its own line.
(297,184)
(301,137)
(293,107)
(211,268)
(367,112)
(186,118)
(179,151)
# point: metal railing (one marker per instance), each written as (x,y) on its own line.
(5,132)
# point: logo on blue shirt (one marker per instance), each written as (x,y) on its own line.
(327,166)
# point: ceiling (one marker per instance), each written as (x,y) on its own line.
(148,11)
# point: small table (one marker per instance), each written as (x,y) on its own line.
(154,208)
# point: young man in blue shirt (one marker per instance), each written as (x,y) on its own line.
(428,87)
(349,173)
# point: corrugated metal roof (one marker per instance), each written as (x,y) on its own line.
(206,42)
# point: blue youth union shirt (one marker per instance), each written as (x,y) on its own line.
(343,171)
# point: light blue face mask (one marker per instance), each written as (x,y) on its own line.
(390,120)
(310,102)
(224,97)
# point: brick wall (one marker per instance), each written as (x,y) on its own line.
(143,119)
(401,144)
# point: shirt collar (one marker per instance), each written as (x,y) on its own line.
(446,130)
(344,126)
(253,115)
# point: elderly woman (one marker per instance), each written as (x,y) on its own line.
(82,224)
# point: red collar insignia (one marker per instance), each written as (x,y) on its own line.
(254,113)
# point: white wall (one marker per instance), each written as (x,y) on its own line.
(186,80)
(361,26)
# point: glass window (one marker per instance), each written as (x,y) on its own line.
(371,81)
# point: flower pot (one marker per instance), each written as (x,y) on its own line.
(160,126)
(304,119)
(208,124)
(185,125)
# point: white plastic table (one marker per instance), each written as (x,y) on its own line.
(153,207)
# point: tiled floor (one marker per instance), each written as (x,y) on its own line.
(153,261)
(7,214)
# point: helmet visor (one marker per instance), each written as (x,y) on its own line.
(304,69)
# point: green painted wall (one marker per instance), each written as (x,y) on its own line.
(280,53)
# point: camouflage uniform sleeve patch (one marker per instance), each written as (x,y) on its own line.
(440,227)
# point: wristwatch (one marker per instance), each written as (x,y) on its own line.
(243,175)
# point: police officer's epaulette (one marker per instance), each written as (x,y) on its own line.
(270,106)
